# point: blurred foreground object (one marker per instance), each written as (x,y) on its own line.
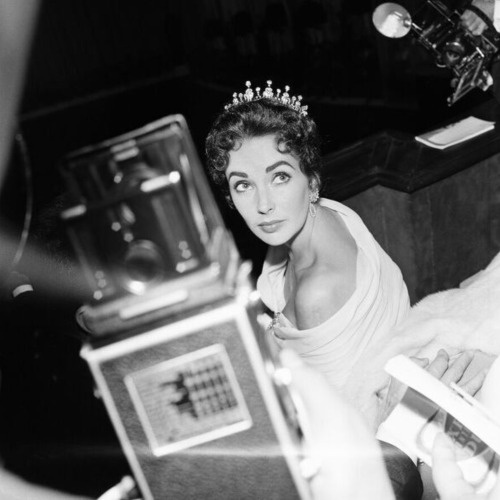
(187,373)
(17,22)
(16,208)
(441,32)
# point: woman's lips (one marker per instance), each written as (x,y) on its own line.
(271,226)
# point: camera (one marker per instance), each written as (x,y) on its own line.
(439,30)
(178,345)
(147,234)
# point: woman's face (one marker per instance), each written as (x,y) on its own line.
(268,189)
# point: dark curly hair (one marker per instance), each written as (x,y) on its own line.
(295,133)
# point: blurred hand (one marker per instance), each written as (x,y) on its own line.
(448,477)
(13,487)
(339,442)
(472,21)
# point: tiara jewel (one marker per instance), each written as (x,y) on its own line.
(294,102)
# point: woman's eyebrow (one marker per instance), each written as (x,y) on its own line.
(238,174)
(278,164)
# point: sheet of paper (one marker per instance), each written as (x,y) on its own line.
(456,133)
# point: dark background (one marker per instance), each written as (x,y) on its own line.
(99,69)
(105,67)
(102,68)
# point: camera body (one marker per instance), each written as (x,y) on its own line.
(200,409)
(177,343)
(145,227)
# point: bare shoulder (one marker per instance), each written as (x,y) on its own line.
(322,292)
(327,283)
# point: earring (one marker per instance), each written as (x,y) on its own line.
(314,195)
(313,199)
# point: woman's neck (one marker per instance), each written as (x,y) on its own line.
(301,250)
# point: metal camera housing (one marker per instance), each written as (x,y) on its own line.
(440,31)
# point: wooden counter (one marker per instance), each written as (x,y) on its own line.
(436,212)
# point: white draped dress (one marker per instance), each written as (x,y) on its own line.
(379,302)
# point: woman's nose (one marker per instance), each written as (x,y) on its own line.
(265,203)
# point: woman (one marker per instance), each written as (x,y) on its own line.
(336,297)
(331,288)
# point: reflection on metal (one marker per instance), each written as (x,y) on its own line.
(392,20)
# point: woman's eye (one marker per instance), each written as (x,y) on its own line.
(241,186)
(281,177)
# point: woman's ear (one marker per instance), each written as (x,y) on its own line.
(314,183)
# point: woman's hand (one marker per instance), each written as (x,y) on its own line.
(443,369)
(453,371)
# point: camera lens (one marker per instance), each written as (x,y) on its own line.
(453,53)
(143,265)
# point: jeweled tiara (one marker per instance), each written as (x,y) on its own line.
(268,93)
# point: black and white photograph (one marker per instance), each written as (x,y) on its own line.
(249,249)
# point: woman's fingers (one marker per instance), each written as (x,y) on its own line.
(473,385)
(422,362)
(439,364)
(457,368)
